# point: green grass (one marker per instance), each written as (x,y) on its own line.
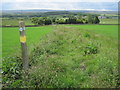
(0,44)
(0,47)
(11,35)
(61,60)
(108,21)
(10,38)
(108,30)
(68,57)
(15,22)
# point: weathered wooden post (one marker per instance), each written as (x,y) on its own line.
(23,44)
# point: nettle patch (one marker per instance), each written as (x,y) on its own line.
(91,49)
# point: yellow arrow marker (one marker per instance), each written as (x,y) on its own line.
(23,39)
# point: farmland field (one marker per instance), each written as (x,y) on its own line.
(108,21)
(73,47)
(10,44)
(109,30)
(14,22)
(65,56)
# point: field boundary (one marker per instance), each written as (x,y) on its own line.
(59,24)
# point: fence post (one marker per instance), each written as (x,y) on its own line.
(23,45)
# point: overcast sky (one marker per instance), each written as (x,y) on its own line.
(59,4)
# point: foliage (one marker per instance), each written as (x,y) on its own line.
(96,20)
(48,21)
(87,35)
(41,21)
(90,19)
(12,72)
(70,20)
(79,21)
(60,21)
(93,19)
(34,20)
(58,60)
(91,49)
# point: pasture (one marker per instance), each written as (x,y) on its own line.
(11,44)
(14,22)
(108,30)
(62,56)
(108,21)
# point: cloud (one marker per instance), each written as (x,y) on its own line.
(60,1)
(60,5)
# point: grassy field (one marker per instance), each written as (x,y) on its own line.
(108,30)
(71,56)
(108,21)
(14,22)
(11,42)
(0,55)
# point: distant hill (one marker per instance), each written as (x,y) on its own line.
(48,12)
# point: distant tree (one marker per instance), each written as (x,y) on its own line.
(72,20)
(48,21)
(79,16)
(79,21)
(64,16)
(85,21)
(67,21)
(34,20)
(53,19)
(40,21)
(90,19)
(60,21)
(96,20)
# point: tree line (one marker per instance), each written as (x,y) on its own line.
(67,20)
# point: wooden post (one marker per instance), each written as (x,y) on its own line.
(23,45)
